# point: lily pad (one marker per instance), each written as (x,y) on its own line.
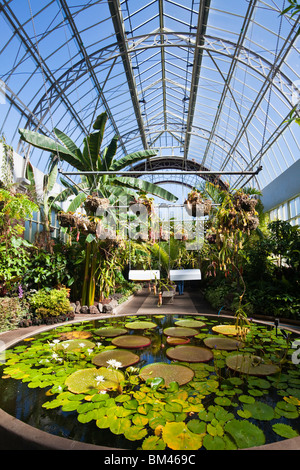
(126,358)
(177,436)
(230,330)
(140,325)
(284,430)
(75,335)
(260,411)
(288,410)
(245,434)
(227,344)
(131,341)
(135,433)
(189,354)
(169,372)
(84,380)
(173,340)
(190,323)
(251,365)
(74,345)
(110,332)
(178,332)
(119,425)
(214,442)
(153,443)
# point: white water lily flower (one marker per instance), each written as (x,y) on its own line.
(89,351)
(82,345)
(99,379)
(56,357)
(115,364)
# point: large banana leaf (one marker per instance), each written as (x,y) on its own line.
(50,179)
(121,191)
(146,186)
(45,143)
(95,139)
(65,139)
(77,201)
(30,173)
(109,153)
(64,194)
(86,155)
(69,187)
(100,122)
(94,142)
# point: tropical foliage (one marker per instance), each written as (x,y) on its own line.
(248,259)
(100,260)
(45,202)
(94,159)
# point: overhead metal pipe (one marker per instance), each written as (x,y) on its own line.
(181,172)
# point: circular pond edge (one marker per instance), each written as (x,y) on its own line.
(17,435)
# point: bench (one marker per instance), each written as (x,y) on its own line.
(168,297)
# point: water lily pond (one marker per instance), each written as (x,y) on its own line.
(157,382)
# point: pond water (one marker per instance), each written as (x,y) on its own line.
(220,404)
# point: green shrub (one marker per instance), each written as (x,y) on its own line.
(11,312)
(218,296)
(14,263)
(51,303)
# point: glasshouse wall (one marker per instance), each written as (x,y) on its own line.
(12,172)
(281,198)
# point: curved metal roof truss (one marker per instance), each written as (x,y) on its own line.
(208,80)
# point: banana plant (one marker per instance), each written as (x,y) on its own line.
(45,200)
(91,158)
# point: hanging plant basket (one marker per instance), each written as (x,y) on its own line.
(92,203)
(244,202)
(145,201)
(164,235)
(252,222)
(92,226)
(194,200)
(211,238)
(82,223)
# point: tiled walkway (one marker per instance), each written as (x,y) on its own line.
(143,303)
(181,304)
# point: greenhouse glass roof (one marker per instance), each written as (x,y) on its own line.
(207,84)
